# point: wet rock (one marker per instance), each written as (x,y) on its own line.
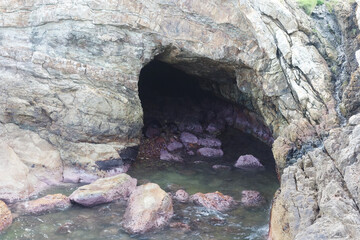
(251,198)
(76,175)
(104,190)
(221,167)
(109,164)
(173,187)
(49,203)
(210,152)
(175,145)
(5,216)
(188,138)
(166,156)
(248,162)
(180,226)
(129,153)
(216,201)
(66,228)
(149,207)
(181,196)
(209,142)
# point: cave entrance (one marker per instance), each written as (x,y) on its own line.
(192,139)
(184,120)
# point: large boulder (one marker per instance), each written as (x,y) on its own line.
(5,216)
(104,190)
(149,207)
(216,201)
(28,163)
(45,204)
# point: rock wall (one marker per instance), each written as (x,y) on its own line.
(69,73)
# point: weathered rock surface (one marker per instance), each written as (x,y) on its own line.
(248,162)
(5,216)
(149,207)
(319,195)
(43,205)
(28,163)
(104,190)
(181,196)
(251,198)
(69,73)
(216,201)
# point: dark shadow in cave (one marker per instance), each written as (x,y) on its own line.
(174,102)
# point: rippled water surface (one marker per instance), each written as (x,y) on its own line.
(104,221)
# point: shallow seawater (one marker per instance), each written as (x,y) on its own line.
(104,221)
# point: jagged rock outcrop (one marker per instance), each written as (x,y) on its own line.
(70,70)
(69,73)
(319,197)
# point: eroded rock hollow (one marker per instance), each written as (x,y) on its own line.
(70,102)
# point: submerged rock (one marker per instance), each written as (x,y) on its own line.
(104,190)
(210,152)
(166,156)
(5,216)
(149,207)
(221,167)
(180,226)
(42,205)
(216,201)
(248,162)
(252,198)
(181,196)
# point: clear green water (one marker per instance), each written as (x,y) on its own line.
(104,221)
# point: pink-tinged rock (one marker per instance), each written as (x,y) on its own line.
(49,203)
(209,142)
(252,198)
(210,152)
(166,156)
(5,216)
(73,175)
(104,190)
(174,146)
(188,138)
(181,196)
(248,162)
(221,167)
(149,207)
(216,201)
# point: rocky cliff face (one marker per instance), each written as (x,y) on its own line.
(69,73)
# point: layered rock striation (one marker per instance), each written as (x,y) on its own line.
(69,95)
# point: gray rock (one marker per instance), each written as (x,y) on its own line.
(210,152)
(188,138)
(149,207)
(248,162)
(104,190)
